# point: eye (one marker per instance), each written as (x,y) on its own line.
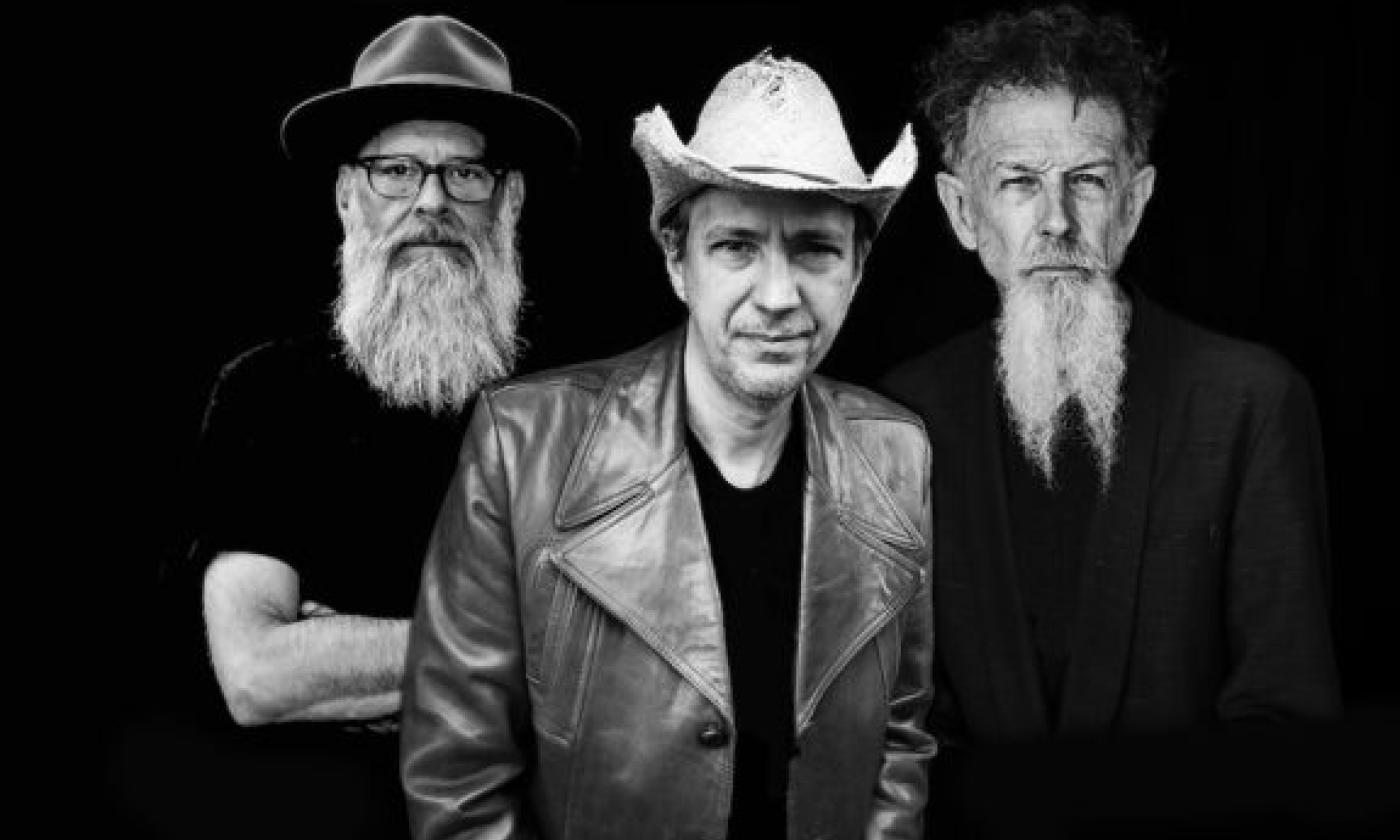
(734,247)
(468,172)
(1019,182)
(396,168)
(1088,180)
(819,253)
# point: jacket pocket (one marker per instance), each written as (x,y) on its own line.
(571,637)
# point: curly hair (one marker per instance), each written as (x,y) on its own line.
(1040,49)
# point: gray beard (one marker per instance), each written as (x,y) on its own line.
(1060,341)
(429,331)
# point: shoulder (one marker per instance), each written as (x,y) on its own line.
(285,364)
(876,423)
(941,382)
(1200,357)
(954,357)
(564,397)
(856,404)
(584,381)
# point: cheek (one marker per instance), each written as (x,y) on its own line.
(377,215)
(828,298)
(1001,226)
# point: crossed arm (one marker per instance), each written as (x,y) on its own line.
(278,659)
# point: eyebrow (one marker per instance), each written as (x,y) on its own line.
(1094,164)
(817,236)
(1025,167)
(732,232)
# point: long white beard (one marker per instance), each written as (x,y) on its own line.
(1060,340)
(430,330)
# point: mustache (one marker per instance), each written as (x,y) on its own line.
(777,330)
(1066,253)
(430,231)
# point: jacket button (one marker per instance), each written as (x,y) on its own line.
(713,735)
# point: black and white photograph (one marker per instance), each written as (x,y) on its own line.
(722,420)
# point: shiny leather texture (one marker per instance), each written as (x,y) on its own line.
(567,675)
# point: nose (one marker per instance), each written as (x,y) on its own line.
(1057,218)
(775,288)
(432,198)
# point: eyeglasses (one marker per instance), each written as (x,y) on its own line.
(402,176)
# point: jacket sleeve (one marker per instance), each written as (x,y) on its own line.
(1282,664)
(902,788)
(465,708)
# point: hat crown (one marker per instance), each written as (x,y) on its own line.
(434,50)
(776,115)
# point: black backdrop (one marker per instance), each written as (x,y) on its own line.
(1269,222)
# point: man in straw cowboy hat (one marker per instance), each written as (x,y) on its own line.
(683,592)
(324,459)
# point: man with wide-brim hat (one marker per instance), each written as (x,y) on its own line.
(324,458)
(683,592)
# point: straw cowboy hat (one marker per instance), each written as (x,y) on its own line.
(431,68)
(770,124)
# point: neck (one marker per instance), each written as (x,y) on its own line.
(743,440)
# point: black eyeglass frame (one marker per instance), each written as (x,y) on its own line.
(425,169)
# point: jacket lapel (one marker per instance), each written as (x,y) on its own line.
(986,562)
(1109,580)
(634,536)
(859,563)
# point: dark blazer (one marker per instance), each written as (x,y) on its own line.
(1203,598)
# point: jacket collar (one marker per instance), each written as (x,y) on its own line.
(629,502)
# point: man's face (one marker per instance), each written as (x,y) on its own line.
(432,142)
(430,286)
(767,278)
(1045,189)
(1047,196)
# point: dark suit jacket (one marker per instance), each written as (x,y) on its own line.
(1203,598)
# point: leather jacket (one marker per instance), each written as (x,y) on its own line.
(566,673)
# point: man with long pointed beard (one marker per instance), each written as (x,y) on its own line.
(1129,509)
(325,458)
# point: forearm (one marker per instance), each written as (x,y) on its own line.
(340,667)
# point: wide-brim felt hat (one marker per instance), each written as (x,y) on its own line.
(431,68)
(770,124)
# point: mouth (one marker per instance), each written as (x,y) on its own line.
(777,344)
(1052,271)
(423,243)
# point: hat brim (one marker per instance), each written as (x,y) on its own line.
(520,130)
(675,172)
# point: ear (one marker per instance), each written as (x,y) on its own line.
(675,270)
(515,192)
(957,203)
(1135,198)
(344,187)
(858,270)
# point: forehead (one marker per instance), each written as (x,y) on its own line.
(1044,127)
(762,211)
(447,139)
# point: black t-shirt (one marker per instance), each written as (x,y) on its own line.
(1049,533)
(299,459)
(303,461)
(755,539)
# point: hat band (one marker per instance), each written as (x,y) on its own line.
(424,79)
(774,170)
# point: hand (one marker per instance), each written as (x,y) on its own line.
(311,609)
